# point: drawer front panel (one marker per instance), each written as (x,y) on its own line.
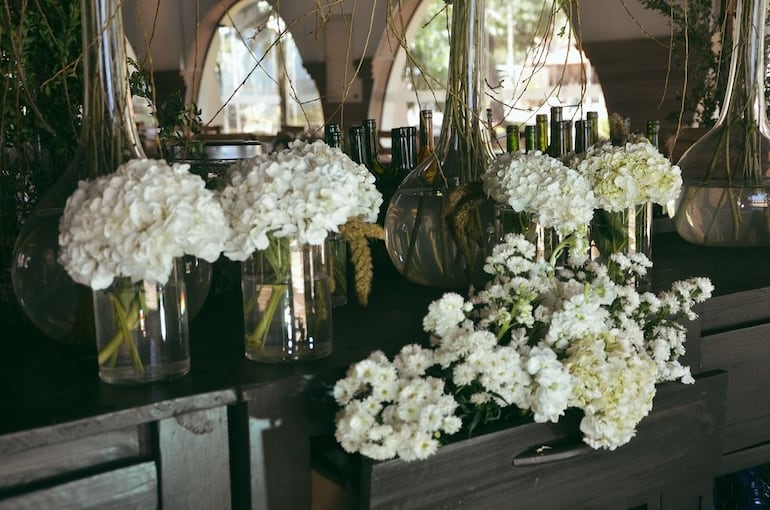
(50,460)
(679,441)
(130,487)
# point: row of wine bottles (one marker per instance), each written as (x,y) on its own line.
(555,136)
(363,146)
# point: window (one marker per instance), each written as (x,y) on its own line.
(254,80)
(533,64)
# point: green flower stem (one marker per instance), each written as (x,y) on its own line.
(256,339)
(126,318)
(277,255)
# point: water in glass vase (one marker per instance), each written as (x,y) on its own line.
(420,246)
(717,214)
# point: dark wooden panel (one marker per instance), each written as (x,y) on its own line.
(130,488)
(677,443)
(746,434)
(194,460)
(38,463)
(279,446)
(721,350)
(744,459)
(735,310)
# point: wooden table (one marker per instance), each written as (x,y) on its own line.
(234,433)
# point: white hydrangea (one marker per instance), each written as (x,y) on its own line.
(533,182)
(135,221)
(304,192)
(629,175)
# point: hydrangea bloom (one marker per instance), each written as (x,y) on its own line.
(629,175)
(558,196)
(304,192)
(135,221)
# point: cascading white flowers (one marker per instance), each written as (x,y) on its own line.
(557,196)
(136,220)
(538,338)
(304,192)
(630,174)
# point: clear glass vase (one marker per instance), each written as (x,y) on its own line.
(50,299)
(628,231)
(142,330)
(287,302)
(724,199)
(439,225)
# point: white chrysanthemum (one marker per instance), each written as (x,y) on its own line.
(304,192)
(445,314)
(135,221)
(386,412)
(539,337)
(630,175)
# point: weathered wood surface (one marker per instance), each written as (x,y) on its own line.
(125,488)
(33,464)
(194,461)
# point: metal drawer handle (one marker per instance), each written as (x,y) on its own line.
(547,453)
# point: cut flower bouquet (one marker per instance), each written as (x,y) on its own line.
(544,195)
(298,195)
(537,340)
(130,226)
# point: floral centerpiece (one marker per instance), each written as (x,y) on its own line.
(544,193)
(296,197)
(627,178)
(129,228)
(540,340)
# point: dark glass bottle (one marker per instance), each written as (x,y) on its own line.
(541,133)
(530,144)
(582,135)
(357,145)
(554,147)
(512,138)
(404,154)
(652,130)
(372,145)
(593,126)
(333,135)
(567,145)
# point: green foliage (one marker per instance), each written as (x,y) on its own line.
(180,124)
(40,49)
(696,28)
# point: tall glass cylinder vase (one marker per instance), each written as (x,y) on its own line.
(142,330)
(287,302)
(724,199)
(439,225)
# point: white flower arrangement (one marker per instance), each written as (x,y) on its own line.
(536,183)
(134,222)
(629,175)
(538,338)
(304,192)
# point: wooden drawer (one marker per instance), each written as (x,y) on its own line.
(745,355)
(129,487)
(679,442)
(24,462)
